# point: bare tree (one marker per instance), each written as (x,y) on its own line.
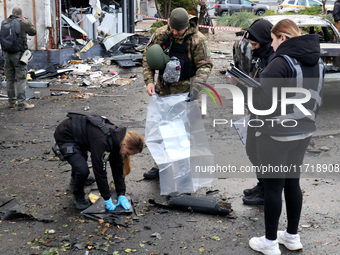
(324,6)
(166,8)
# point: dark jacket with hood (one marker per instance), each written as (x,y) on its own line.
(260,32)
(336,10)
(99,148)
(278,74)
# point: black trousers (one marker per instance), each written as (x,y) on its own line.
(289,154)
(80,170)
(251,150)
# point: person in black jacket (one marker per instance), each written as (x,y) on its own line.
(258,35)
(283,138)
(336,14)
(80,134)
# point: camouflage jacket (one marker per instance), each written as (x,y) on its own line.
(198,51)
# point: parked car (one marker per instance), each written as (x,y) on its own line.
(296,5)
(329,44)
(228,7)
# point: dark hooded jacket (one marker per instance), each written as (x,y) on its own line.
(99,146)
(306,50)
(336,10)
(260,32)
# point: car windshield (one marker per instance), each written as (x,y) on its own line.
(314,3)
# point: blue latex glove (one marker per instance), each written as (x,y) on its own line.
(123,201)
(109,205)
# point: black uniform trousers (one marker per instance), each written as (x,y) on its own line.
(80,170)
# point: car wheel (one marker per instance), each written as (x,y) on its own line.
(260,12)
(225,13)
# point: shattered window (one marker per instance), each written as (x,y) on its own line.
(326,34)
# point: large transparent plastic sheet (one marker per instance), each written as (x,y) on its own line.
(176,138)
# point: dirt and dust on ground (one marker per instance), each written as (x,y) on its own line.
(34,177)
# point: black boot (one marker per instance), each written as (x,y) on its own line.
(255,199)
(152,174)
(80,201)
(89,181)
(252,191)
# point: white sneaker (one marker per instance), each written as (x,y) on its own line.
(292,243)
(262,245)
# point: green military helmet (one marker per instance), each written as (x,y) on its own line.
(156,58)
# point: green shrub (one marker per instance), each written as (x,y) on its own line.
(270,12)
(315,10)
(155,25)
(243,20)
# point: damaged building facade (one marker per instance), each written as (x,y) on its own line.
(65,26)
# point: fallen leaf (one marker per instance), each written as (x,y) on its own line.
(216,238)
(238,233)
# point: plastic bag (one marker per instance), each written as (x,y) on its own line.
(176,139)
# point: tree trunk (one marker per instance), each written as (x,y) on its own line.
(158,11)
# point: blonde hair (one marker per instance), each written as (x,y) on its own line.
(135,143)
(286,27)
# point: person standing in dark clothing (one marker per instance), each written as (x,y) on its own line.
(258,35)
(15,70)
(80,134)
(296,73)
(336,14)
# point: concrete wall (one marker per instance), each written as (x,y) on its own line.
(44,58)
(42,7)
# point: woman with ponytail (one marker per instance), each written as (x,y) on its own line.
(80,134)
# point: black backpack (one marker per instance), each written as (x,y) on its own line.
(10,35)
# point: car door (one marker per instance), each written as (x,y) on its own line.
(301,4)
(234,6)
(246,6)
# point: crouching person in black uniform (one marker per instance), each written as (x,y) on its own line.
(80,134)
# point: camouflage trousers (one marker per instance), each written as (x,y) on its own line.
(175,88)
(16,73)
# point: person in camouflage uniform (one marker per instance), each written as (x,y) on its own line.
(182,39)
(198,53)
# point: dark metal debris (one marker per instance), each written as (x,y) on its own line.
(194,204)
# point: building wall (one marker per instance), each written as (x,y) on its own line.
(41,40)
